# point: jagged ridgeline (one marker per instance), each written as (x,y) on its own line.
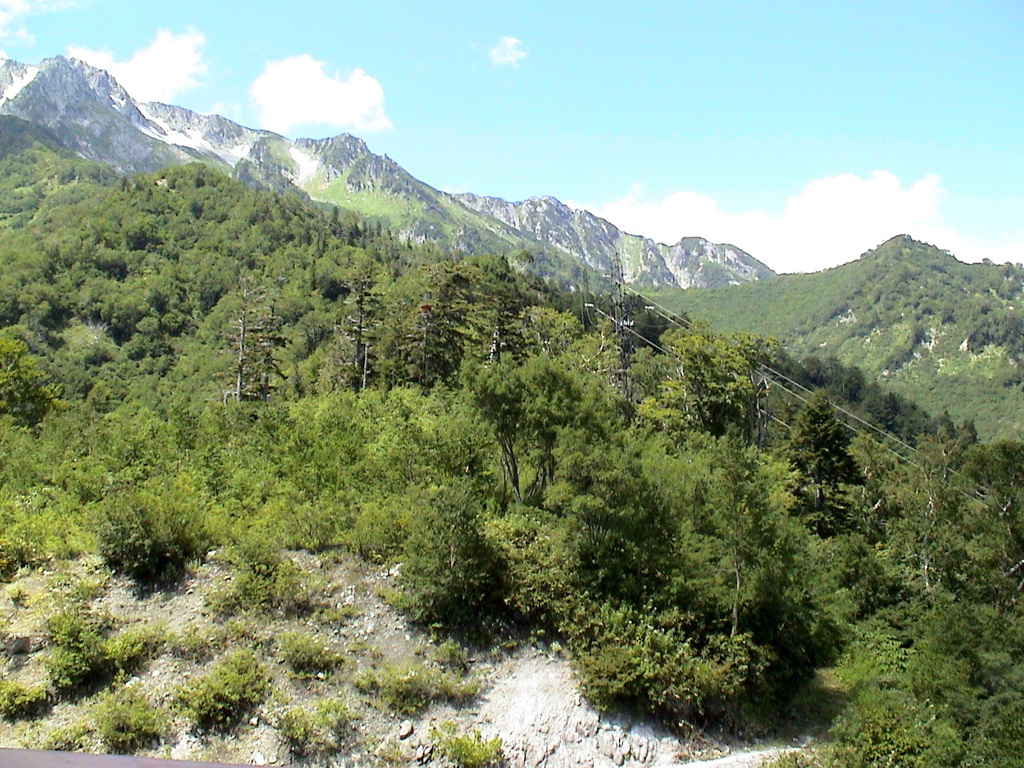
(91,114)
(191,365)
(948,334)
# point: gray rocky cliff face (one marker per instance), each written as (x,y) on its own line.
(366,172)
(553,223)
(336,154)
(89,113)
(94,116)
(67,86)
(693,262)
(211,135)
(495,207)
(14,76)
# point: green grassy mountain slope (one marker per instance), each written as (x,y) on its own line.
(946,333)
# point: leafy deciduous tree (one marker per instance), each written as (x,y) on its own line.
(25,393)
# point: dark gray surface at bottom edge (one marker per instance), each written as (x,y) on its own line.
(31,758)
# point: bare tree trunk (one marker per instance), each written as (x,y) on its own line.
(240,367)
(511,466)
(736,600)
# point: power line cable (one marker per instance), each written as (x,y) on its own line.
(686,324)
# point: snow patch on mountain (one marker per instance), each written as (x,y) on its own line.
(307,164)
(18,81)
(193,137)
(159,129)
(236,153)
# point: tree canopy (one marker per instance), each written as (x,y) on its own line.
(240,367)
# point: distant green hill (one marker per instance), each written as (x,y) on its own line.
(948,334)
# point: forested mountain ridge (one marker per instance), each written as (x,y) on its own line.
(114,280)
(91,114)
(946,333)
(190,365)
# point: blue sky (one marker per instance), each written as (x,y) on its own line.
(803,132)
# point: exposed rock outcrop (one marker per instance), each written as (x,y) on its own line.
(535,706)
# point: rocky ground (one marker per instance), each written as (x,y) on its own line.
(534,705)
(524,694)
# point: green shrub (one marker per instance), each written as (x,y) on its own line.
(263,581)
(340,614)
(17,595)
(890,727)
(450,571)
(804,758)
(196,646)
(13,555)
(381,528)
(410,689)
(126,722)
(151,534)
(318,731)
(134,646)
(23,535)
(624,657)
(466,750)
(79,589)
(224,695)
(536,553)
(450,655)
(307,654)
(999,737)
(78,654)
(303,525)
(73,737)
(18,701)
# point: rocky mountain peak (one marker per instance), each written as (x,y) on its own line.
(13,77)
(46,93)
(337,153)
(91,114)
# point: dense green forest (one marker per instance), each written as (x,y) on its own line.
(186,363)
(908,314)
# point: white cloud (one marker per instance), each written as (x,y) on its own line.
(230,111)
(160,72)
(830,221)
(13,11)
(295,91)
(508,52)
